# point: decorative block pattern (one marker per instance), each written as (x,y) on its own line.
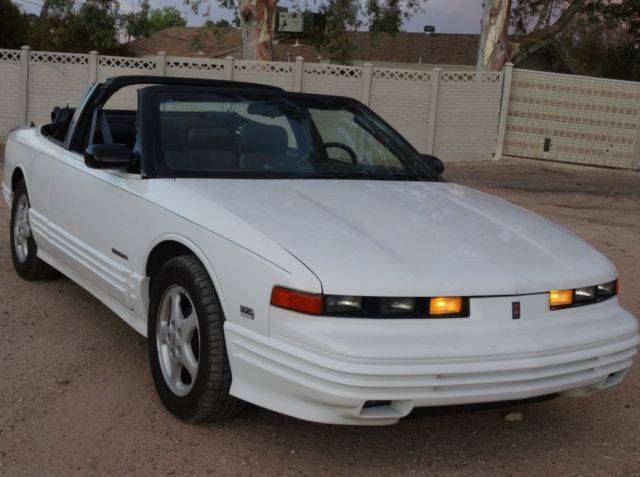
(588,120)
(418,76)
(262,67)
(469,77)
(189,64)
(125,62)
(332,71)
(10,56)
(58,58)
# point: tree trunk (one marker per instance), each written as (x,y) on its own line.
(495,48)
(257,19)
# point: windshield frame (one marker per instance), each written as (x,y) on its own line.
(151,97)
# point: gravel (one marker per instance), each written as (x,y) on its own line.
(76,395)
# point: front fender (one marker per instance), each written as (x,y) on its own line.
(242,279)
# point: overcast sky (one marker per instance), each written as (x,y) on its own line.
(448,16)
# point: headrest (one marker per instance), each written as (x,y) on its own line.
(260,138)
(210,139)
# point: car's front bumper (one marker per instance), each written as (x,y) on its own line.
(326,369)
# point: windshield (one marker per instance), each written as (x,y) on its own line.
(280,135)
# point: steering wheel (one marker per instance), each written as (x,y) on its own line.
(344,147)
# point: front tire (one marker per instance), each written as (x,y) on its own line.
(24,251)
(187,349)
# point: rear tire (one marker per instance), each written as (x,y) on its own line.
(24,251)
(187,349)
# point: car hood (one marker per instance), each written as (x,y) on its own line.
(410,238)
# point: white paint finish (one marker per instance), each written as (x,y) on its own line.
(409,238)
(325,369)
(97,210)
(344,237)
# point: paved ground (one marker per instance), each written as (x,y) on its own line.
(76,395)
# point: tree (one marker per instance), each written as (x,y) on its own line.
(166,17)
(65,25)
(146,21)
(257,20)
(341,16)
(599,50)
(210,30)
(136,23)
(386,17)
(15,25)
(535,23)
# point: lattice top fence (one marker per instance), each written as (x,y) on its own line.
(407,98)
(177,65)
(126,62)
(9,56)
(191,64)
(58,58)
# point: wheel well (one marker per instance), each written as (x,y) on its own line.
(16,178)
(162,253)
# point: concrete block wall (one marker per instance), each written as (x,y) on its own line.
(582,120)
(434,115)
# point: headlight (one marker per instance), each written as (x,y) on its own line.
(584,296)
(336,304)
(443,306)
(398,306)
(559,299)
(607,290)
(349,306)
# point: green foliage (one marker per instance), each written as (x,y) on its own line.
(600,49)
(210,30)
(588,37)
(386,17)
(146,21)
(136,23)
(166,17)
(15,25)
(341,16)
(65,25)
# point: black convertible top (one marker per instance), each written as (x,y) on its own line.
(79,127)
(116,82)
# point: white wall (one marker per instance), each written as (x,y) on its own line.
(588,120)
(460,112)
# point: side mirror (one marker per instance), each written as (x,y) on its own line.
(435,163)
(108,156)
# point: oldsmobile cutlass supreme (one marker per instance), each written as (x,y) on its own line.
(294,251)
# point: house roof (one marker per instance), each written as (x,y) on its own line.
(438,48)
(403,47)
(176,41)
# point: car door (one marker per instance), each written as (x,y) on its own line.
(91,219)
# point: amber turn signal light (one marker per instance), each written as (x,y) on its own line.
(560,298)
(309,303)
(445,305)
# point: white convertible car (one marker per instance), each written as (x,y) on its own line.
(294,251)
